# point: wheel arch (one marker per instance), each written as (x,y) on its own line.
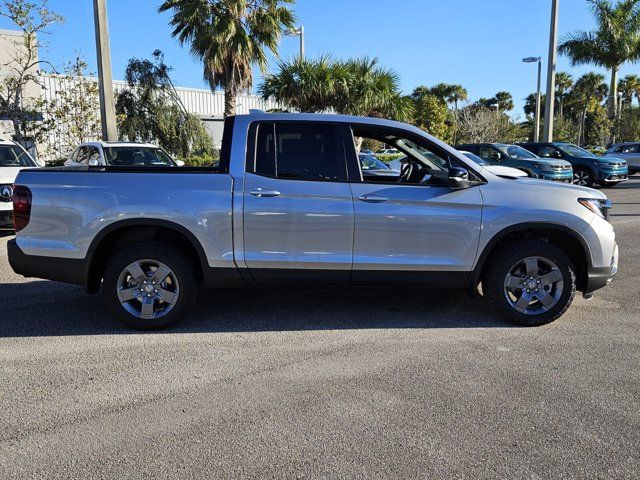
(130,231)
(566,238)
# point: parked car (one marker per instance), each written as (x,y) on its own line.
(588,169)
(517,157)
(495,169)
(628,151)
(121,154)
(371,166)
(366,152)
(289,206)
(13,158)
(388,151)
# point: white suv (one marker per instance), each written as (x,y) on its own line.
(13,158)
(121,154)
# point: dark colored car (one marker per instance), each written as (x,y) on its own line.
(515,156)
(373,167)
(588,169)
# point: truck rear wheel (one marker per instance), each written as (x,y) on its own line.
(149,285)
(531,282)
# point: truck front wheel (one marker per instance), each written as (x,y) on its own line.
(149,285)
(531,282)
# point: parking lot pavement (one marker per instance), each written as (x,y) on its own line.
(323,383)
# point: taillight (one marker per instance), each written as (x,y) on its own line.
(21,207)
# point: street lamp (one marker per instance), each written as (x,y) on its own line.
(298,32)
(536,136)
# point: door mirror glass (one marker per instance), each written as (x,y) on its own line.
(459,178)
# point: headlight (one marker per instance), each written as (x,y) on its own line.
(598,206)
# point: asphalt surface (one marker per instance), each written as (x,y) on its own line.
(323,384)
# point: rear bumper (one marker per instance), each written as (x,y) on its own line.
(66,270)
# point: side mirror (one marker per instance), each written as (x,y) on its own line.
(180,163)
(93,162)
(459,178)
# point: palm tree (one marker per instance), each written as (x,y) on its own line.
(442,90)
(629,87)
(615,41)
(589,90)
(372,91)
(457,94)
(505,100)
(305,85)
(564,82)
(352,87)
(229,37)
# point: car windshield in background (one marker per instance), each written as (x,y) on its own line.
(473,157)
(137,157)
(12,156)
(516,152)
(575,151)
(369,162)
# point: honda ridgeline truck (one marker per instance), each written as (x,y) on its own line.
(289,205)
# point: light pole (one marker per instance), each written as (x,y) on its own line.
(536,135)
(551,74)
(105,79)
(298,32)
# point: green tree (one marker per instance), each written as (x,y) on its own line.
(74,111)
(564,82)
(586,95)
(627,127)
(504,101)
(615,41)
(628,87)
(33,20)
(150,110)
(353,87)
(230,37)
(431,114)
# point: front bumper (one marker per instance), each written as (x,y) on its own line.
(6,218)
(599,277)
(613,175)
(66,270)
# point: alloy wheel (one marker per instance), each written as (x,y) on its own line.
(148,289)
(533,285)
(581,178)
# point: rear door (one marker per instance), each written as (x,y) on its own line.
(298,209)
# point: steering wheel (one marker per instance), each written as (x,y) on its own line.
(406,170)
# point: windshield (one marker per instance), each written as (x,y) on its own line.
(575,151)
(516,152)
(12,156)
(475,158)
(137,156)
(369,162)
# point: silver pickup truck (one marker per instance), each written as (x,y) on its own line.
(290,205)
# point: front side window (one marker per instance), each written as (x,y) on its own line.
(489,154)
(299,152)
(576,151)
(516,152)
(83,155)
(550,152)
(12,156)
(135,156)
(628,149)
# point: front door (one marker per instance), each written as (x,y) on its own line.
(298,209)
(414,229)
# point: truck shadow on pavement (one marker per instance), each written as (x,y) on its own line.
(42,308)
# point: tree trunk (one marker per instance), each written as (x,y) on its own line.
(613,95)
(230,100)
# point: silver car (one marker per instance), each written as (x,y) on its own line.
(629,151)
(290,204)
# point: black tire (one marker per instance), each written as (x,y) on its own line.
(499,266)
(181,267)
(583,176)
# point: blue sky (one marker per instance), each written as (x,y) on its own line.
(476,43)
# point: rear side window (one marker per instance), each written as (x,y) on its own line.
(311,151)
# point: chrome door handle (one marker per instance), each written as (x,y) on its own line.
(372,198)
(259,192)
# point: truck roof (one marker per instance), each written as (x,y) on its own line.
(121,144)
